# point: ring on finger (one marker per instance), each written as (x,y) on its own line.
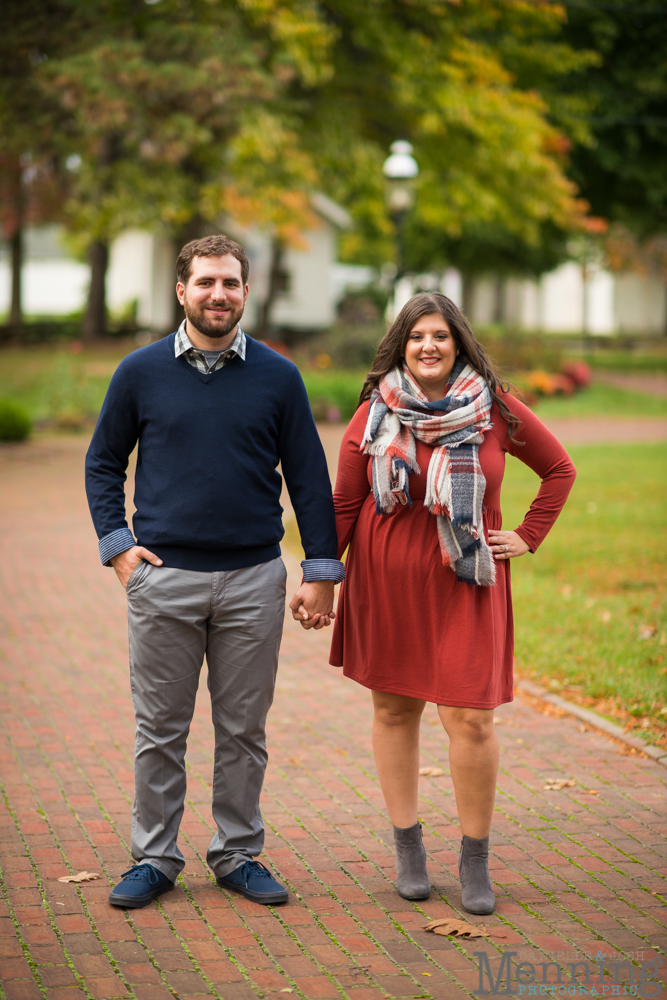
(507,548)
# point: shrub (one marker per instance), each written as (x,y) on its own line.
(579,372)
(69,395)
(333,394)
(14,422)
(348,346)
(514,351)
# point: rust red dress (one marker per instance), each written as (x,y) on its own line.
(405,624)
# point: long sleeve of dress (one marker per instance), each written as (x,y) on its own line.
(352,485)
(545,455)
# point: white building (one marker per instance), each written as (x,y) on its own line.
(141,276)
(564,302)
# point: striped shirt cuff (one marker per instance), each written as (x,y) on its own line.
(115,543)
(323,569)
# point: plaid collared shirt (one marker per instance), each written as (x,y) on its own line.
(183,345)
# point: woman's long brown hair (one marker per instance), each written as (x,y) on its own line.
(392,349)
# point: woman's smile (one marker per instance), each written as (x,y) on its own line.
(430,353)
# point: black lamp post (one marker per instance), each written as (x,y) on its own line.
(400,170)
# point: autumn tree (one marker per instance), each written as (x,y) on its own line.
(165,111)
(460,81)
(32,179)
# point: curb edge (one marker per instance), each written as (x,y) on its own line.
(594,720)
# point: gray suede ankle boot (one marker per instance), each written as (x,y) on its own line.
(477,894)
(411,876)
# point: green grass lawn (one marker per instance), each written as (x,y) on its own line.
(630,361)
(590,610)
(602,400)
(50,380)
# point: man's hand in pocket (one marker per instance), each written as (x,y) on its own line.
(126,562)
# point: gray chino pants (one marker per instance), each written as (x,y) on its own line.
(176,617)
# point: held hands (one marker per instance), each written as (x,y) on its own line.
(507,544)
(312,605)
(126,562)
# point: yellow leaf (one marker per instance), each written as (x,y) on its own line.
(555,784)
(455,928)
(431,772)
(80,877)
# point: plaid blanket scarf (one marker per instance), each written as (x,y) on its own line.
(400,412)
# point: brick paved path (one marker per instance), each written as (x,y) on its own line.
(576,872)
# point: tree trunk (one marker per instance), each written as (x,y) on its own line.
(468,296)
(499,300)
(192,230)
(95,320)
(16,242)
(264,317)
(16,311)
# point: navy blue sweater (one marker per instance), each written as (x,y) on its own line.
(207,491)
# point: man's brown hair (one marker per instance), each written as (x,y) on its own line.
(210,246)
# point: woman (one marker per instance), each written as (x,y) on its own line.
(425,613)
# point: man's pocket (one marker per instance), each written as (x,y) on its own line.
(138,575)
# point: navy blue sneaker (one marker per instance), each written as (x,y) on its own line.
(254,881)
(140,886)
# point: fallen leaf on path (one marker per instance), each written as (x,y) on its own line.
(555,784)
(80,877)
(592,791)
(431,772)
(456,928)
(286,991)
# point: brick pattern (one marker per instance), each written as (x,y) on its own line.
(578,871)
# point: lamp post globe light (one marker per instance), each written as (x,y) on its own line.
(400,170)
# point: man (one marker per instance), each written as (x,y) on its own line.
(213,412)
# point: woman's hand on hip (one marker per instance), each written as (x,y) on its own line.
(507,544)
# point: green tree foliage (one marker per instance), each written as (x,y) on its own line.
(460,81)
(180,110)
(621,171)
(174,112)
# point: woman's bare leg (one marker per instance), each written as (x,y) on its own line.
(396,722)
(473,762)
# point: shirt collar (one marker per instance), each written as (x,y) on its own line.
(183,343)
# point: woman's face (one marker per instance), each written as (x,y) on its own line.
(430,353)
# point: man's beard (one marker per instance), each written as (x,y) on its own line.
(208,326)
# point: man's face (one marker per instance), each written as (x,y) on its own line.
(215,296)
